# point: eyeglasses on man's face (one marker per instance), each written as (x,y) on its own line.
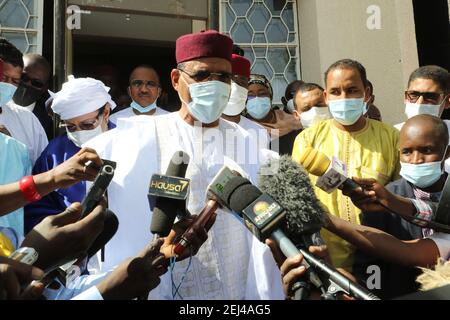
(428,97)
(38,84)
(86,125)
(148,84)
(205,75)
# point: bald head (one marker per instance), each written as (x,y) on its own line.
(36,66)
(427,125)
(423,138)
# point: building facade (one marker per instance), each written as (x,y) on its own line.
(284,39)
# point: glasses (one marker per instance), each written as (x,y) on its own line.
(83,126)
(430,97)
(260,95)
(148,84)
(34,82)
(204,75)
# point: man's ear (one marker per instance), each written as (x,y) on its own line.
(107,112)
(296,115)
(175,77)
(447,102)
(368,96)
(447,153)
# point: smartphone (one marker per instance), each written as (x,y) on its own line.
(98,187)
(25,255)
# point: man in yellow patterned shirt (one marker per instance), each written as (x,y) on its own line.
(368,148)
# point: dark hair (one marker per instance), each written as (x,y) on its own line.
(10,54)
(306,87)
(292,88)
(348,64)
(36,60)
(145,66)
(435,73)
(238,50)
(370,85)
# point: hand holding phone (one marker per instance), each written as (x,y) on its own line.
(98,188)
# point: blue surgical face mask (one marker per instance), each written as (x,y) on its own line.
(136,106)
(209,100)
(259,107)
(7,91)
(347,111)
(422,175)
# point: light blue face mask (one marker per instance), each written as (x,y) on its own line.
(136,106)
(422,175)
(209,100)
(7,91)
(259,107)
(347,111)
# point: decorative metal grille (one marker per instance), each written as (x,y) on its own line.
(21,23)
(267,30)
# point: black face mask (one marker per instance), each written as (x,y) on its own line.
(26,95)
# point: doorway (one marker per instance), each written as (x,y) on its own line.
(111,60)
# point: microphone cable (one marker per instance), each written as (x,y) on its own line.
(175,288)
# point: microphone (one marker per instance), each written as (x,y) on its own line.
(168,193)
(331,176)
(68,272)
(331,173)
(265,218)
(110,227)
(338,279)
(215,200)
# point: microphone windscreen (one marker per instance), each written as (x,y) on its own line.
(165,210)
(178,165)
(243,197)
(231,186)
(110,227)
(314,161)
(292,189)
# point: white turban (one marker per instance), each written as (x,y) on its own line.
(79,97)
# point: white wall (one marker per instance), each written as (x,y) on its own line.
(335,29)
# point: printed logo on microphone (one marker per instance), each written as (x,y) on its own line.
(168,187)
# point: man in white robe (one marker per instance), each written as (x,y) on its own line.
(231,264)
(17,121)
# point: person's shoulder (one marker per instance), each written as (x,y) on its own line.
(397,186)
(245,122)
(122,113)
(316,128)
(160,111)
(11,143)
(379,126)
(24,112)
(229,124)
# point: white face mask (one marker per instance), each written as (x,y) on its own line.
(314,115)
(414,109)
(238,98)
(81,137)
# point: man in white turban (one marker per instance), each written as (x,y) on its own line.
(84,106)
